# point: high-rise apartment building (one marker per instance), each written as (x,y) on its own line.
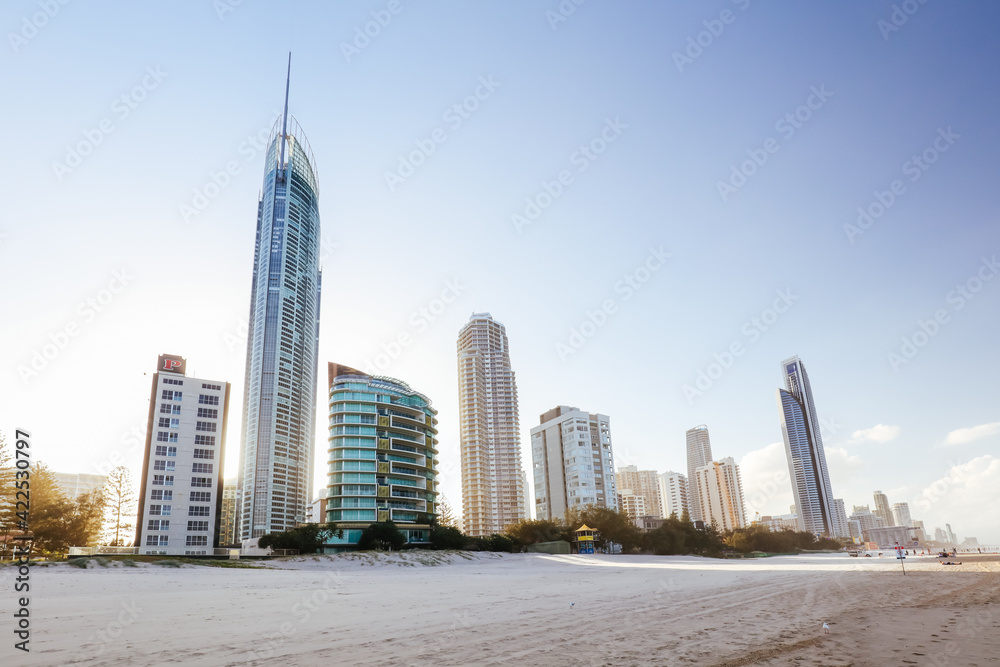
(699,453)
(901,515)
(279,399)
(180,491)
(645,483)
(721,492)
(573,462)
(75,484)
(807,468)
(840,527)
(383,457)
(883,509)
(492,482)
(674,494)
(633,504)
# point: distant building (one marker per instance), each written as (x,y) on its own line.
(840,528)
(674,494)
(180,494)
(889,536)
(952,537)
(227,527)
(75,484)
(648,523)
(316,510)
(970,542)
(918,532)
(940,536)
(807,468)
(883,509)
(778,523)
(866,519)
(901,515)
(854,526)
(573,462)
(699,453)
(645,483)
(722,494)
(632,503)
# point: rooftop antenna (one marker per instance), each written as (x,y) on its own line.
(284,117)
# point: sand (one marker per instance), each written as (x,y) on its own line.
(523,609)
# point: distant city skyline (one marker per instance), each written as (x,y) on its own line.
(689,225)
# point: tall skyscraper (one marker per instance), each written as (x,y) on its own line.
(674,494)
(804,449)
(645,483)
(279,399)
(383,457)
(721,492)
(699,453)
(492,484)
(840,527)
(573,462)
(901,515)
(883,509)
(180,492)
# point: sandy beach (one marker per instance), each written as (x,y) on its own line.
(524,609)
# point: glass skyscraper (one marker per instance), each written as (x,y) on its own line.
(804,449)
(279,400)
(699,453)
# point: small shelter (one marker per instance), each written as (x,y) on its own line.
(583,538)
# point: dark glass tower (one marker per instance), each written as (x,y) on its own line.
(804,449)
(279,400)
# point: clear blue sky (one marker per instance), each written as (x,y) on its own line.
(199,81)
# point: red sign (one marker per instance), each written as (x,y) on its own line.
(171,363)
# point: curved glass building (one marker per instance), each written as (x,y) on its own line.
(804,450)
(382,454)
(279,400)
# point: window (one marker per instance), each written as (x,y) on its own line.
(209,413)
(198,526)
(160,494)
(160,480)
(204,482)
(204,440)
(206,426)
(201,467)
(169,395)
(157,540)
(161,436)
(164,465)
(216,387)
(204,454)
(165,408)
(161,450)
(199,510)
(154,510)
(175,423)
(172,381)
(164,422)
(201,496)
(208,400)
(172,451)
(197,541)
(158,524)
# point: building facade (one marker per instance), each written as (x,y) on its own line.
(492,482)
(699,453)
(382,457)
(674,494)
(279,400)
(883,509)
(721,492)
(840,527)
(573,462)
(807,467)
(633,504)
(227,527)
(901,515)
(75,484)
(645,483)
(180,491)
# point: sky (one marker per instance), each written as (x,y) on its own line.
(661,202)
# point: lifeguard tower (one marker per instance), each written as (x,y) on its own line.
(583,538)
